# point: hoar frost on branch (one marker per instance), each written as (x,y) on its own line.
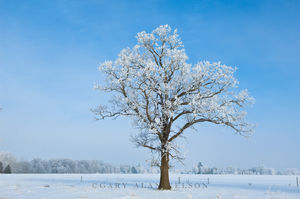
(164,95)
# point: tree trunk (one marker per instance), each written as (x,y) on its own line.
(164,183)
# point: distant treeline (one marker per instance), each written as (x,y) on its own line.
(68,166)
(8,163)
(260,170)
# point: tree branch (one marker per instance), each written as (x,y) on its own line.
(189,124)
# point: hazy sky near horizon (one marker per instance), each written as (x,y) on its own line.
(50,51)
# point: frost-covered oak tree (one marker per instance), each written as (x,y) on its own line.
(165,95)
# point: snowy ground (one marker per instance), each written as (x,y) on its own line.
(69,186)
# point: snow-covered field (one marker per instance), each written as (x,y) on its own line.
(125,186)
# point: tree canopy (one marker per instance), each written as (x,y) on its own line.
(154,84)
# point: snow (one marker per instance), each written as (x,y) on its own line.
(220,186)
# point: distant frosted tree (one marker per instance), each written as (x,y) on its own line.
(8,159)
(165,95)
(200,165)
(7,169)
(24,167)
(82,166)
(95,166)
(133,170)
(1,167)
(39,166)
(125,169)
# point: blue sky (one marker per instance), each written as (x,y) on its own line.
(50,51)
